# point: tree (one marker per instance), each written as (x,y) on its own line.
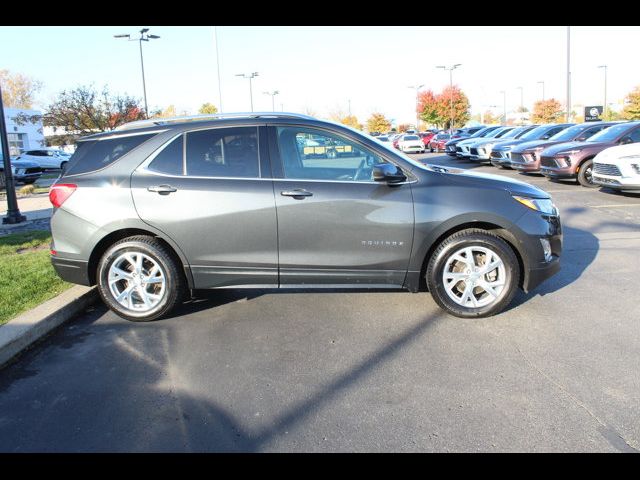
(208,108)
(351,121)
(610,115)
(18,90)
(403,127)
(377,122)
(547,111)
(427,108)
(489,118)
(631,110)
(170,111)
(456,97)
(84,110)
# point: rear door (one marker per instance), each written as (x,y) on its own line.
(210,192)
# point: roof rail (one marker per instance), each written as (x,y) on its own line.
(214,116)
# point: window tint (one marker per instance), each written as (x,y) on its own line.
(317,155)
(169,160)
(635,135)
(93,155)
(223,152)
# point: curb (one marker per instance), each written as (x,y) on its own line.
(29,327)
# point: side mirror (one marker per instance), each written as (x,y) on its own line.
(625,140)
(387,172)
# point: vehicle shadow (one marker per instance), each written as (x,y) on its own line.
(618,193)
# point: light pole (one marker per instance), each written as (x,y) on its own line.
(521,105)
(542,82)
(144,37)
(417,87)
(249,76)
(451,69)
(273,96)
(504,98)
(13,211)
(568,74)
(605,89)
(215,34)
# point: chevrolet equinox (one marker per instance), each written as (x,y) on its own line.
(156,209)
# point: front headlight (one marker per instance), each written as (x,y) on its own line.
(568,152)
(542,205)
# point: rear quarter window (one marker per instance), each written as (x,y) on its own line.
(92,155)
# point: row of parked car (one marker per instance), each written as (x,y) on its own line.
(419,142)
(593,153)
(30,164)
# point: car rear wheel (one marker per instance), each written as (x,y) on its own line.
(585,175)
(473,273)
(139,279)
(63,165)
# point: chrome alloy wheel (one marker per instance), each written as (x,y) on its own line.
(137,281)
(474,277)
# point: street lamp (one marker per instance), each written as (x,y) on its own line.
(521,105)
(144,37)
(504,117)
(542,82)
(13,211)
(417,87)
(568,73)
(605,88)
(451,69)
(249,76)
(273,96)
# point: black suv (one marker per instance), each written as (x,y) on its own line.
(161,207)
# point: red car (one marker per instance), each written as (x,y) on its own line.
(426,137)
(438,141)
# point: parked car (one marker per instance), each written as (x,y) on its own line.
(450,146)
(426,137)
(373,219)
(23,171)
(618,167)
(526,156)
(437,142)
(46,158)
(463,148)
(574,160)
(411,144)
(384,139)
(481,149)
(501,152)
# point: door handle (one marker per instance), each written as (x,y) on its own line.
(163,189)
(298,193)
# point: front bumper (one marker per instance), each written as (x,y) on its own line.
(557,173)
(618,183)
(481,154)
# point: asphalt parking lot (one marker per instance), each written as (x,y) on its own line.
(343,371)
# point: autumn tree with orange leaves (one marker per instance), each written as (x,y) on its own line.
(547,111)
(439,109)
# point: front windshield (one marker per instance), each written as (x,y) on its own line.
(514,133)
(569,133)
(481,132)
(610,134)
(536,133)
(411,137)
(500,132)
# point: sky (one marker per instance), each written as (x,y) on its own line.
(321,70)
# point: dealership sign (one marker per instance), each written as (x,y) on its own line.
(593,114)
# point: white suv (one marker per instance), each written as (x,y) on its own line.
(47,157)
(618,167)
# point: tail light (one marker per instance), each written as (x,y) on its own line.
(60,192)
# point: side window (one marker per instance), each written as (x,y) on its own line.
(169,160)
(635,135)
(223,152)
(589,132)
(553,131)
(310,154)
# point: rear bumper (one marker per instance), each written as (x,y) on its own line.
(72,271)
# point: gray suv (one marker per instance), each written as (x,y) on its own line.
(159,208)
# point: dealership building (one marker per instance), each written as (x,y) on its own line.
(24,130)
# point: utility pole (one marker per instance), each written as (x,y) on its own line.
(273,96)
(215,34)
(13,211)
(605,90)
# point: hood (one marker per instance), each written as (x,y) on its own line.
(560,147)
(507,143)
(488,180)
(618,151)
(469,141)
(455,141)
(24,164)
(532,144)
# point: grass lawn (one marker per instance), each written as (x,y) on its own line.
(26,276)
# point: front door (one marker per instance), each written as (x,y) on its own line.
(205,191)
(336,226)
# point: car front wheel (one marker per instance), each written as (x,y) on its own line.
(585,175)
(139,279)
(473,273)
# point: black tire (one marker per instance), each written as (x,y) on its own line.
(431,149)
(469,238)
(63,166)
(585,174)
(175,284)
